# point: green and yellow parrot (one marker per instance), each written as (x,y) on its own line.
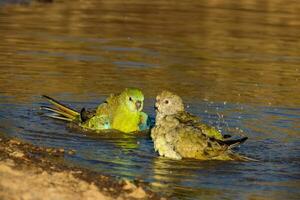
(178,134)
(122,112)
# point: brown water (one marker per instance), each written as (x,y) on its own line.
(239,60)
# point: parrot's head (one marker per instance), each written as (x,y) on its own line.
(133,99)
(168,103)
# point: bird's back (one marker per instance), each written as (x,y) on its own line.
(192,144)
(101,118)
(109,106)
(194,121)
(187,141)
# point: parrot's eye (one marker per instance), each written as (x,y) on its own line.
(166,101)
(130,99)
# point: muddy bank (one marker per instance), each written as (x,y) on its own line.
(31,172)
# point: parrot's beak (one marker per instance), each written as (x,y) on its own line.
(156,107)
(138,105)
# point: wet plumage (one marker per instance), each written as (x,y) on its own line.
(178,134)
(122,112)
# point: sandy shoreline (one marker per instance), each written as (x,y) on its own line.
(29,172)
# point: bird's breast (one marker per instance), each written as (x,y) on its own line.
(126,122)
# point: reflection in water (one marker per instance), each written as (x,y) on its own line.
(175,176)
(235,63)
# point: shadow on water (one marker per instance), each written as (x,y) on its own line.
(236,64)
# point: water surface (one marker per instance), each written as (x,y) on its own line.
(237,65)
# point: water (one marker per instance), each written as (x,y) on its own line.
(236,64)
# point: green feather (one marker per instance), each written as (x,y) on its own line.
(119,111)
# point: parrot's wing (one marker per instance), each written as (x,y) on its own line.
(109,106)
(97,122)
(194,121)
(210,131)
(191,142)
(187,118)
(145,121)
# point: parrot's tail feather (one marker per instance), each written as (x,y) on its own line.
(232,143)
(242,158)
(60,111)
(62,107)
(57,112)
(227,136)
(54,116)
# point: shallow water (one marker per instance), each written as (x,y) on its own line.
(237,65)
